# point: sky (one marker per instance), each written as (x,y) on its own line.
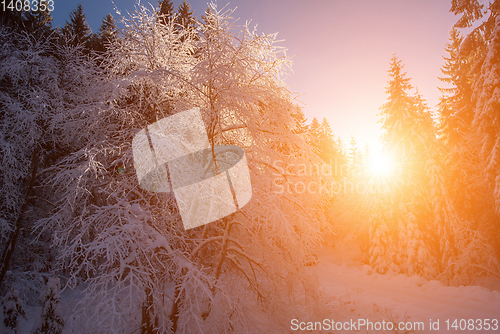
(340,50)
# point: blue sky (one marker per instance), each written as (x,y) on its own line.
(341,49)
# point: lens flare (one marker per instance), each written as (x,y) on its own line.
(380,164)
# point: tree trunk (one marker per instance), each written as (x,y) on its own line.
(14,236)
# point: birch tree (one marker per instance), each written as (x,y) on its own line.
(142,269)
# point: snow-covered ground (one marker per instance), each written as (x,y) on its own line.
(355,294)
(362,301)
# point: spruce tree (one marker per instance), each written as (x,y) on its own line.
(165,12)
(456,112)
(326,141)
(108,32)
(185,18)
(40,21)
(366,156)
(12,310)
(475,184)
(51,321)
(340,158)
(485,137)
(326,129)
(408,127)
(300,118)
(354,156)
(33,22)
(410,138)
(77,28)
(398,113)
(108,29)
(456,104)
(12,19)
(315,133)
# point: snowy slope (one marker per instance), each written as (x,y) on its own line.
(354,292)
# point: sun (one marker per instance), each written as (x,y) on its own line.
(380,164)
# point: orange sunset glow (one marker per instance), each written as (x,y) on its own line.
(249,167)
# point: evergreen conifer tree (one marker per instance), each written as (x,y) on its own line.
(12,310)
(409,137)
(40,21)
(485,137)
(51,321)
(107,34)
(165,11)
(77,28)
(300,118)
(315,134)
(185,18)
(456,105)
(354,156)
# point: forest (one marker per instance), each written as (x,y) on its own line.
(85,249)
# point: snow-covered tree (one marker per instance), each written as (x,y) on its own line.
(36,23)
(301,127)
(29,99)
(414,255)
(12,310)
(315,128)
(143,270)
(185,18)
(474,161)
(381,249)
(321,137)
(51,321)
(355,159)
(108,32)
(456,105)
(401,215)
(456,114)
(165,11)
(327,145)
(77,28)
(484,146)
(486,98)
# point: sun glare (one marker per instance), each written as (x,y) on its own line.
(380,164)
